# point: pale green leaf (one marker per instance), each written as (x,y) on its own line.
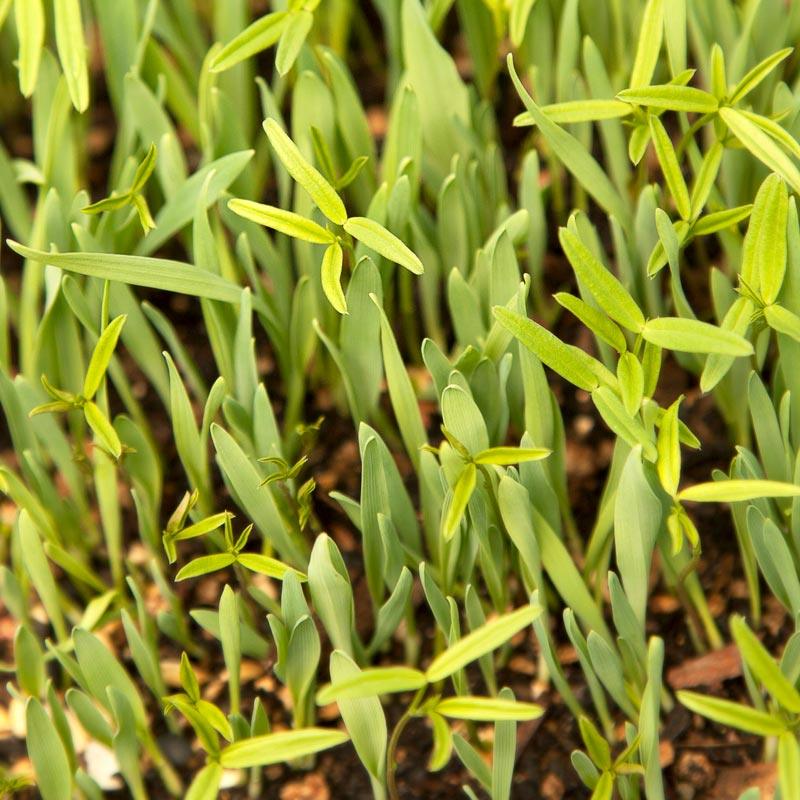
(487,709)
(283,221)
(321,192)
(736,490)
(371,682)
(482,640)
(383,242)
(276,748)
(694,336)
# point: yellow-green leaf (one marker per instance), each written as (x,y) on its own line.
(321,192)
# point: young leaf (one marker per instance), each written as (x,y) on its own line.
(610,294)
(789,764)
(103,429)
(670,167)
(783,321)
(736,716)
(574,155)
(292,39)
(204,565)
(761,145)
(375,236)
(482,640)
(371,682)
(578,111)
(47,754)
(487,709)
(462,492)
(753,77)
(694,336)
(331,274)
(154,273)
(29,18)
(321,192)
(568,361)
(256,562)
(504,456)
(101,356)
(668,464)
(72,51)
(283,221)
(650,37)
(764,251)
(764,667)
(258,36)
(275,748)
(595,320)
(672,97)
(736,490)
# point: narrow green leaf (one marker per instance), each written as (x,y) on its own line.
(205,785)
(321,192)
(617,417)
(101,356)
(205,565)
(650,37)
(720,220)
(668,464)
(482,640)
(487,709)
(670,167)
(258,36)
(462,492)
(504,456)
(294,35)
(331,274)
(764,667)
(283,221)
(375,236)
(610,294)
(736,716)
(573,111)
(30,19)
(72,51)
(47,754)
(705,178)
(753,77)
(765,249)
(266,565)
(694,336)
(275,748)
(783,321)
(154,273)
(595,320)
(789,765)
(103,429)
(371,682)
(761,145)
(736,490)
(568,361)
(574,155)
(671,97)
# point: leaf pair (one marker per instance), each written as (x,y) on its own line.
(104,431)
(389,680)
(289,28)
(368,231)
(133,195)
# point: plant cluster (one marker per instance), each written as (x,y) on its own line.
(383,267)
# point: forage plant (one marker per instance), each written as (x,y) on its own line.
(399,399)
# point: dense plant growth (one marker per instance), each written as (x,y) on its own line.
(241,236)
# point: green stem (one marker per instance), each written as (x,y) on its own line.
(391,750)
